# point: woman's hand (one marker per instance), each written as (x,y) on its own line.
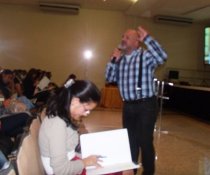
(92,161)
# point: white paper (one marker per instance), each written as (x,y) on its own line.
(43,83)
(114,148)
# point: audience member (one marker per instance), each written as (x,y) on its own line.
(18,83)
(12,92)
(58,135)
(6,77)
(30,82)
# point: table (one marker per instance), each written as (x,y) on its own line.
(110,97)
(189,99)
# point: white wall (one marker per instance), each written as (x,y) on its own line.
(55,42)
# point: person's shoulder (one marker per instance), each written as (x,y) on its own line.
(53,122)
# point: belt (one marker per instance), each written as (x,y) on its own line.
(139,100)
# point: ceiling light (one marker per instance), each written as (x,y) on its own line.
(88,54)
(134,1)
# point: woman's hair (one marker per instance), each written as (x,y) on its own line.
(59,103)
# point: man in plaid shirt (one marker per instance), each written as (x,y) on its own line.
(132,67)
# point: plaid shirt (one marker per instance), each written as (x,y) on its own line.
(126,71)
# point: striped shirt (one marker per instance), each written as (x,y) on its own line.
(126,71)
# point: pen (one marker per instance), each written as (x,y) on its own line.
(100,156)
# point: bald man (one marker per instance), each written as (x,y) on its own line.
(132,68)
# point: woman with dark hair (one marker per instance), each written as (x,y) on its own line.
(58,135)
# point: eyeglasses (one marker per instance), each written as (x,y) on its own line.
(86,111)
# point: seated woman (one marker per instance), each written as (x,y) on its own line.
(58,135)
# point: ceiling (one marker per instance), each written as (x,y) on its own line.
(197,10)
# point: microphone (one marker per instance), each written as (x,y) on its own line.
(113,59)
(120,48)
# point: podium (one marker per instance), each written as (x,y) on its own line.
(110,97)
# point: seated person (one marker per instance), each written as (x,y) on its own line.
(30,82)
(10,88)
(6,77)
(58,135)
(42,96)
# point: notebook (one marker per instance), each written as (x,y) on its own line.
(113,147)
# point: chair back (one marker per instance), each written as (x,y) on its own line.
(28,157)
(34,128)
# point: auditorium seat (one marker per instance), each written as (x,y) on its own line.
(28,156)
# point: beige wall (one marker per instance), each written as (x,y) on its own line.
(55,42)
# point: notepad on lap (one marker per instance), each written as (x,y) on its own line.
(113,146)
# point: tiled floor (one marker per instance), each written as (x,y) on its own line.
(182,143)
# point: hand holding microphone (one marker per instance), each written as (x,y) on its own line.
(116,53)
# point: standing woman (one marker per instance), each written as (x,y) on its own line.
(58,135)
